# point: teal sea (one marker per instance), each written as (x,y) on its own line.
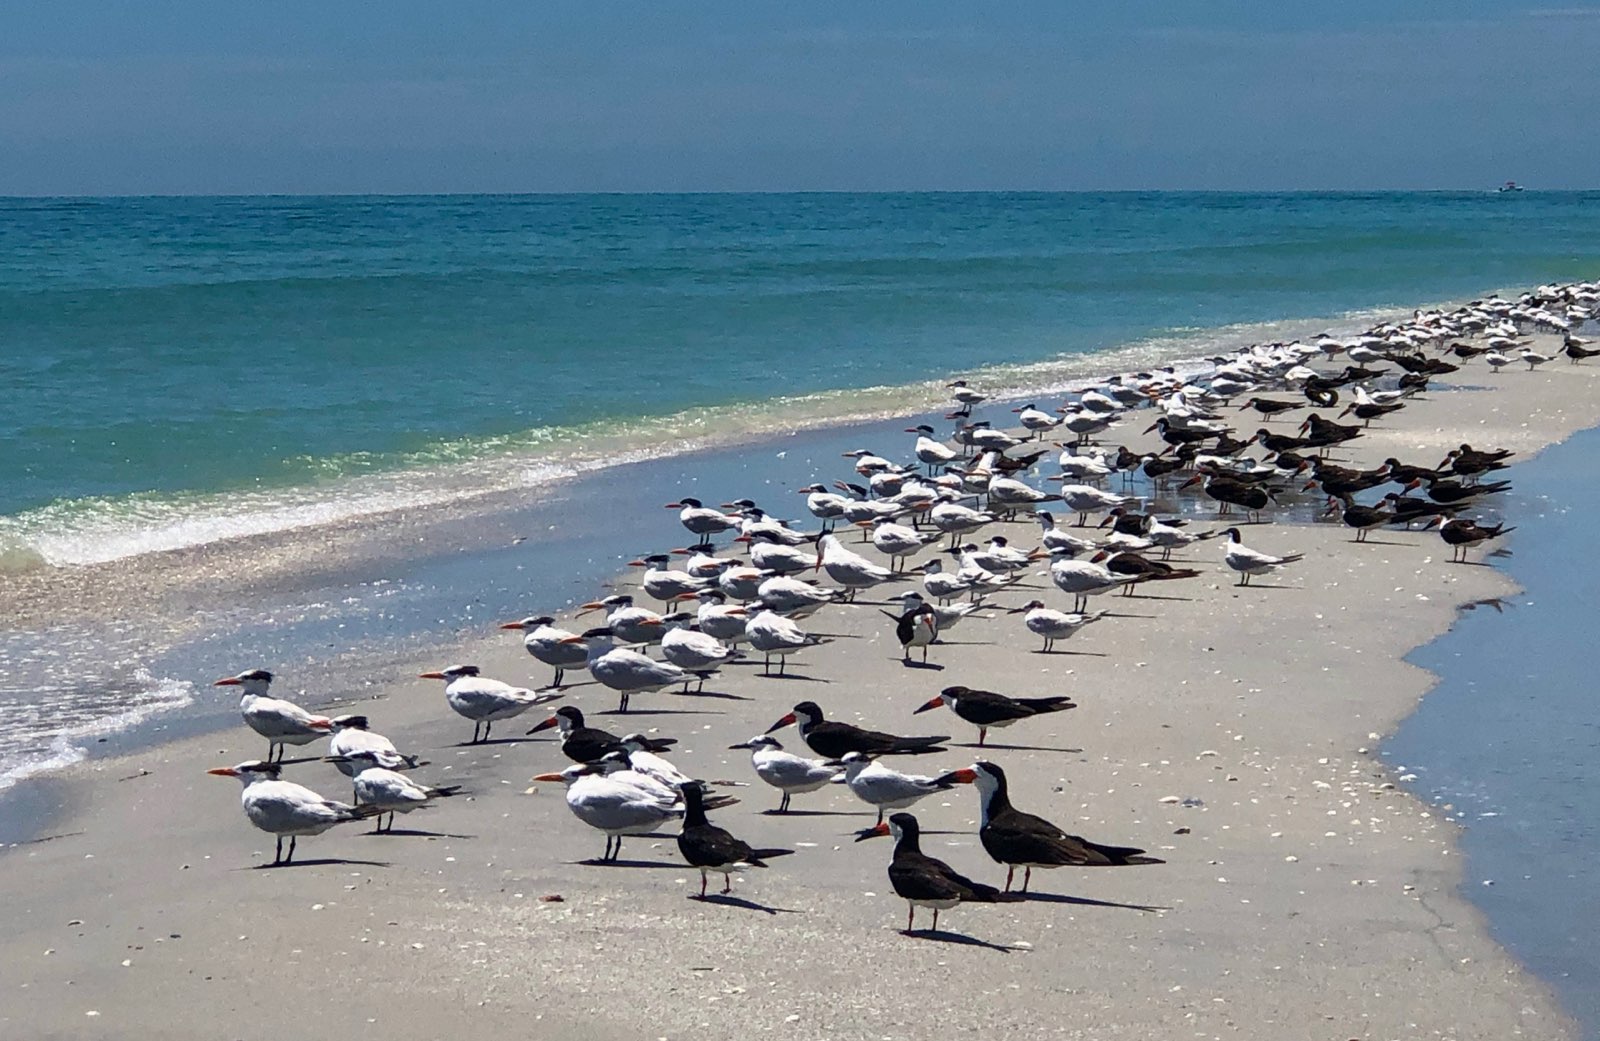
(179,373)
(179,370)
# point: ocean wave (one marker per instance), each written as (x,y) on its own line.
(30,745)
(344,487)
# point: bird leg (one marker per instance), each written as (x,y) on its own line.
(982,732)
(702,883)
(783,804)
(1027,874)
(935,919)
(1012,870)
(911,916)
(488,725)
(727,882)
(277,856)
(293,839)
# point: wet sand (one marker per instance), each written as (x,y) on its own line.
(1304,894)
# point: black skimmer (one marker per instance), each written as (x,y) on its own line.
(1141,569)
(1229,493)
(922,880)
(1365,518)
(1018,839)
(586,744)
(985,709)
(1269,408)
(710,848)
(1452,491)
(1462,534)
(1367,412)
(918,626)
(836,740)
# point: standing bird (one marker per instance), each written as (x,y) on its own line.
(887,789)
(848,568)
(789,773)
(930,453)
(837,740)
(379,784)
(696,652)
(771,634)
(286,809)
(1018,839)
(1083,579)
(1462,534)
(550,645)
(1051,624)
(897,542)
(281,722)
(585,744)
(985,709)
(1251,563)
(627,671)
(917,626)
(710,848)
(614,807)
(703,521)
(482,700)
(921,880)
(350,735)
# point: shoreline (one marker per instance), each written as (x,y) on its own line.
(1184,706)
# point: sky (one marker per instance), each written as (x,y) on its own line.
(290,96)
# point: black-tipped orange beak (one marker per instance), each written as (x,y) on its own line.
(966,775)
(874,832)
(546,725)
(780,724)
(935,703)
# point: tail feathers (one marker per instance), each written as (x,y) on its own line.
(917,745)
(758,855)
(717,802)
(1057,704)
(362,812)
(1291,558)
(1186,572)
(1119,856)
(446,791)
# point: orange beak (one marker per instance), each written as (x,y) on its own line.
(874,832)
(223,771)
(228,681)
(430,676)
(966,775)
(935,703)
(546,725)
(780,724)
(593,605)
(548,777)
(511,625)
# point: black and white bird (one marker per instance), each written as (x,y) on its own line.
(286,809)
(710,848)
(921,880)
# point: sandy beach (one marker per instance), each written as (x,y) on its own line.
(1230,731)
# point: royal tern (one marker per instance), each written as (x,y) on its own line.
(921,880)
(379,784)
(1250,562)
(483,700)
(627,671)
(886,789)
(616,808)
(286,809)
(350,735)
(793,598)
(1084,499)
(701,520)
(851,570)
(777,557)
(1036,421)
(1057,541)
(957,520)
(824,505)
(942,585)
(896,541)
(628,623)
(548,644)
(985,709)
(1083,579)
(696,652)
(710,848)
(789,773)
(280,722)
(929,452)
(1018,839)
(661,582)
(771,634)
(716,617)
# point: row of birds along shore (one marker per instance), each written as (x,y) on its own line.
(942,533)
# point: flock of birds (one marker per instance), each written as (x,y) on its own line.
(923,515)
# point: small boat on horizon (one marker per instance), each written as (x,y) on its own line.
(1510,186)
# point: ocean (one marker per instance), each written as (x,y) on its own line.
(397,420)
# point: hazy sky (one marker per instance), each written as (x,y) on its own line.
(545,95)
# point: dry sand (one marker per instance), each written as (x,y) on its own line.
(1305,896)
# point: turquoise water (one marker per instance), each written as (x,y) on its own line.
(174,371)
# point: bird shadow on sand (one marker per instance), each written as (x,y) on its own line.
(1082,901)
(809,813)
(1078,654)
(1158,596)
(729,900)
(597,862)
(657,712)
(1378,542)
(497,741)
(1254,586)
(718,694)
(322,862)
(563,688)
(946,936)
(930,666)
(792,676)
(963,643)
(1015,748)
(417,833)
